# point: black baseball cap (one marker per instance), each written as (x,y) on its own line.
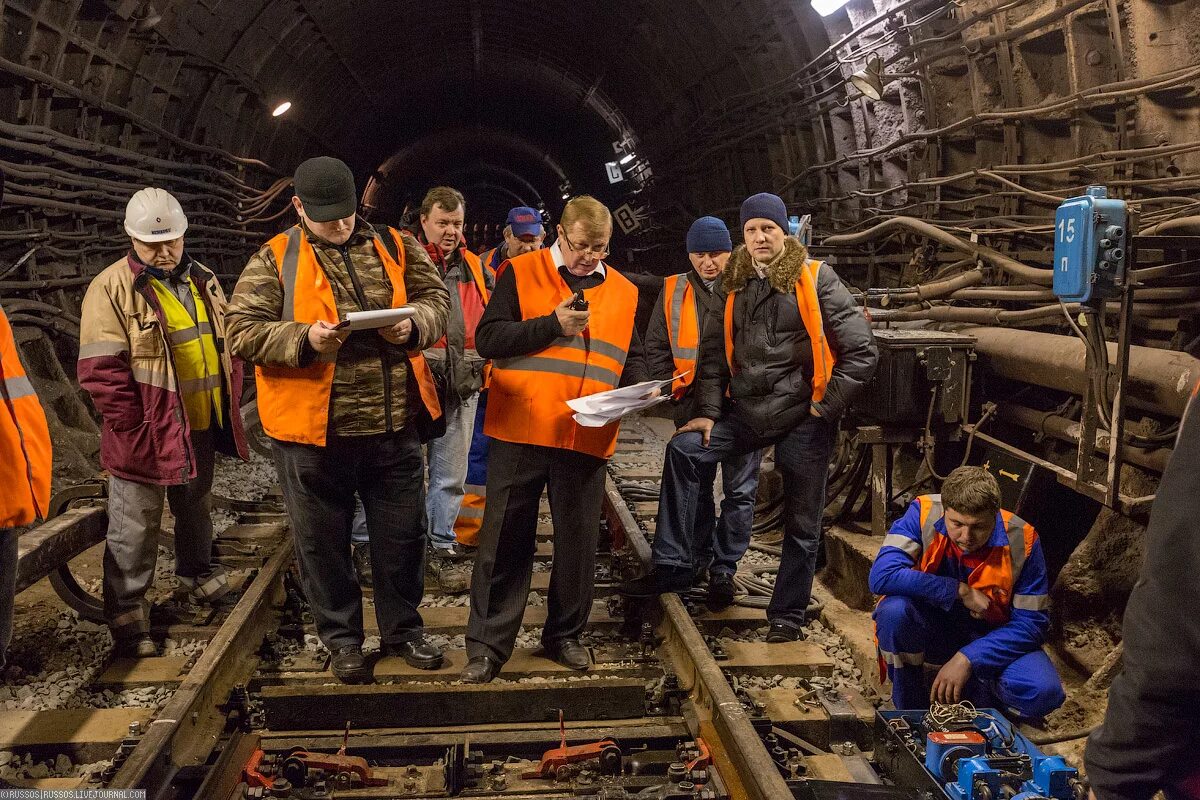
(325,186)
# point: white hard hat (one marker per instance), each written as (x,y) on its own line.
(153,215)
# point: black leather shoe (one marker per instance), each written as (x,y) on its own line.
(419,653)
(661,580)
(349,666)
(782,632)
(480,669)
(569,653)
(361,556)
(720,590)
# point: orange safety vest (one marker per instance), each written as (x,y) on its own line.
(810,313)
(293,402)
(683,329)
(998,573)
(25,450)
(528,397)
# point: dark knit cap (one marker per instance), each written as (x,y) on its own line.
(765,206)
(709,235)
(326,188)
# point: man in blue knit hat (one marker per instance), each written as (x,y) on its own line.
(779,366)
(687,301)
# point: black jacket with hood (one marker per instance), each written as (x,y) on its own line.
(771,390)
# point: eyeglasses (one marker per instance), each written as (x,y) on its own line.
(600,251)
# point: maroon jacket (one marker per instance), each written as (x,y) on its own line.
(125,363)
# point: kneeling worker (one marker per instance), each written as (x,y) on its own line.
(545,352)
(341,408)
(965,585)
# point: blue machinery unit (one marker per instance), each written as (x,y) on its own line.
(977,755)
(1091,247)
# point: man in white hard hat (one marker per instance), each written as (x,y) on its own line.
(152,355)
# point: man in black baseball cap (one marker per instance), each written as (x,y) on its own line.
(341,407)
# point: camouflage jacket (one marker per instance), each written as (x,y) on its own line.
(370,376)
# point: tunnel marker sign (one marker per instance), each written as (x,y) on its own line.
(614,172)
(627,218)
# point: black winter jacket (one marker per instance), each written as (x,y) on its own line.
(772,389)
(709,302)
(1150,739)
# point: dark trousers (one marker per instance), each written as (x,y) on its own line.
(802,458)
(516,476)
(319,484)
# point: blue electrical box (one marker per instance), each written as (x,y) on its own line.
(1091,247)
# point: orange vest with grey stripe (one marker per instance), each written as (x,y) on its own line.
(810,313)
(683,330)
(527,400)
(25,450)
(293,402)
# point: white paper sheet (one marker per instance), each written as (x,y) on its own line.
(602,408)
(380,318)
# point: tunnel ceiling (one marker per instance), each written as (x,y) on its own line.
(992,110)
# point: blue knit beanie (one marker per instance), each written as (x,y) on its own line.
(765,206)
(709,235)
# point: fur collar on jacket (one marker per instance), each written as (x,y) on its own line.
(782,273)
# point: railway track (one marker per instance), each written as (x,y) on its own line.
(677,703)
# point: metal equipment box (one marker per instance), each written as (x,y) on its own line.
(917,367)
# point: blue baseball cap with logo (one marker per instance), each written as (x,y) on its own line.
(525,221)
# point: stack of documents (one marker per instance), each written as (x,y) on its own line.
(597,410)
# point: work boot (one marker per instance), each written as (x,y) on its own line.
(569,653)
(661,580)
(721,590)
(206,589)
(480,669)
(360,554)
(136,646)
(349,666)
(783,632)
(420,653)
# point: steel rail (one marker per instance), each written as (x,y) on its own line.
(187,729)
(755,774)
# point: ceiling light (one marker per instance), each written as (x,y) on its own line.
(870,79)
(282,108)
(628,157)
(827,7)
(566,196)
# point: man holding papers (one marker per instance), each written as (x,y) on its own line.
(672,344)
(342,407)
(559,326)
(779,366)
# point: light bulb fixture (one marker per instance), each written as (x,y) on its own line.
(870,79)
(282,108)
(827,7)
(627,158)
(566,196)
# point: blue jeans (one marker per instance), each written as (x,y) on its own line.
(802,458)
(447,457)
(358,527)
(910,630)
(721,542)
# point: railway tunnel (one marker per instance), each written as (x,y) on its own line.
(923,150)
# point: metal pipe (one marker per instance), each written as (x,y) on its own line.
(1036,275)
(1067,430)
(1159,380)
(1182,224)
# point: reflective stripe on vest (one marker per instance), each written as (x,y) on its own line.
(25,450)
(194,352)
(809,304)
(527,399)
(293,402)
(683,329)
